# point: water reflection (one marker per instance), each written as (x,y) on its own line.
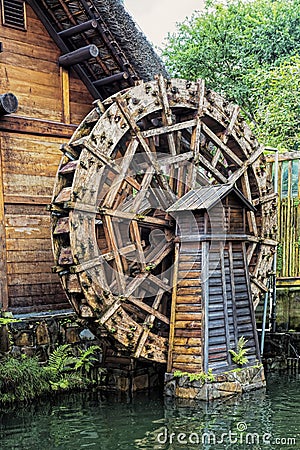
(108,422)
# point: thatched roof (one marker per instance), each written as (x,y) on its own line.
(133,42)
(123,48)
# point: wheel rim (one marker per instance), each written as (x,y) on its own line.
(130,159)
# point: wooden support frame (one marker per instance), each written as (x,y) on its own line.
(251,306)
(225,305)
(63,47)
(64,73)
(205,304)
(173,308)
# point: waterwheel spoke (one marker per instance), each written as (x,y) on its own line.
(248,195)
(166,113)
(117,183)
(114,245)
(136,238)
(148,309)
(161,179)
(148,323)
(144,186)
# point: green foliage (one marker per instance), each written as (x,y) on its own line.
(21,379)
(86,359)
(202,376)
(239,357)
(8,320)
(275,100)
(247,50)
(61,360)
(24,379)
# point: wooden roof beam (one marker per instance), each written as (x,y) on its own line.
(111,79)
(85,26)
(63,47)
(78,56)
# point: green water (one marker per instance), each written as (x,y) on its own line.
(93,421)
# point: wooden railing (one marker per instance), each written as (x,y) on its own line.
(288,254)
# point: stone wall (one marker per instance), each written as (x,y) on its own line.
(288,310)
(224,386)
(39,334)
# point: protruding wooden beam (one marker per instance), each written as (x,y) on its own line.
(8,104)
(111,79)
(35,5)
(78,29)
(78,56)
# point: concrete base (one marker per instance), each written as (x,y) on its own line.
(224,385)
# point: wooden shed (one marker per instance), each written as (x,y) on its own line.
(213,305)
(56,57)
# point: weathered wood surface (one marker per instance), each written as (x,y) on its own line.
(119,175)
(29,69)
(51,104)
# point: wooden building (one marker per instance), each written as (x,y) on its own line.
(56,57)
(214,235)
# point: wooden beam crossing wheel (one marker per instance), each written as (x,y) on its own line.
(130,159)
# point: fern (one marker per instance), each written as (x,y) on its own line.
(239,357)
(87,359)
(61,360)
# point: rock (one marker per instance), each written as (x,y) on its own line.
(184,392)
(224,386)
(28,351)
(42,334)
(24,339)
(87,335)
(4,339)
(72,336)
(140,382)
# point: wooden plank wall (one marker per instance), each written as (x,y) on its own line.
(52,102)
(212,303)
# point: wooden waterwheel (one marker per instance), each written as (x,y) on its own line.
(131,158)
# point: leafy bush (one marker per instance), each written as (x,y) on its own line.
(24,379)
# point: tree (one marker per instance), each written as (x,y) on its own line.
(275,100)
(236,47)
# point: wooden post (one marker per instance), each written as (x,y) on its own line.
(205,300)
(225,302)
(251,306)
(64,73)
(3,255)
(78,56)
(173,308)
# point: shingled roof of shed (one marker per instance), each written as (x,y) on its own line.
(207,197)
(123,48)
